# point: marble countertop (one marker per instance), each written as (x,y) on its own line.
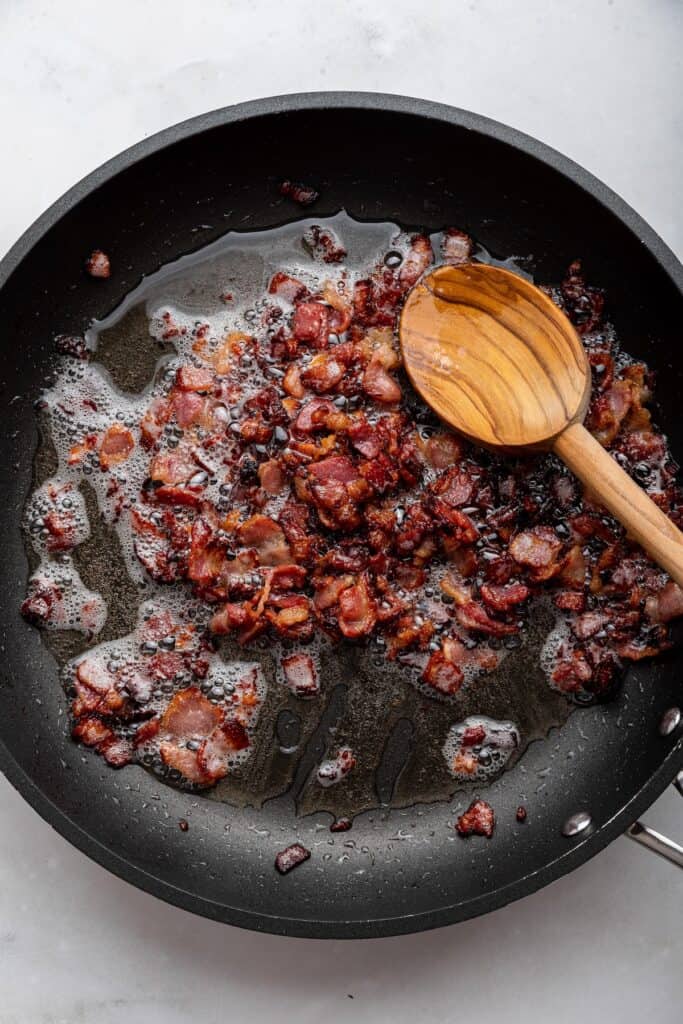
(599,80)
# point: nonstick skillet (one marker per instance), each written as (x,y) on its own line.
(380,158)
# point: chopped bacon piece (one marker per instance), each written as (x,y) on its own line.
(324,372)
(473,616)
(190,715)
(172,467)
(98,264)
(152,423)
(292,382)
(300,675)
(313,415)
(478,820)
(419,257)
(185,761)
(287,288)
(666,605)
(324,244)
(456,247)
(194,378)
(267,538)
(290,858)
(442,673)
(473,736)
(304,195)
(379,384)
(271,477)
(117,444)
(225,740)
(357,610)
(311,322)
(503,598)
(188,408)
(537,550)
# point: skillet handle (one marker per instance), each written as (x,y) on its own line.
(656,842)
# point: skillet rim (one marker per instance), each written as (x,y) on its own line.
(582,850)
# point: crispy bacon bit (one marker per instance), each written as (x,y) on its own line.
(304,195)
(456,247)
(443,674)
(478,820)
(300,675)
(290,858)
(190,715)
(473,736)
(267,539)
(117,444)
(98,264)
(194,378)
(311,323)
(287,288)
(520,814)
(341,825)
(537,550)
(357,610)
(378,384)
(72,345)
(503,598)
(666,605)
(324,244)
(419,257)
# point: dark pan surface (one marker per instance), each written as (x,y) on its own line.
(384,158)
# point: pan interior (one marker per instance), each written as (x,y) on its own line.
(395,863)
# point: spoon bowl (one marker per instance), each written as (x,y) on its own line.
(501,363)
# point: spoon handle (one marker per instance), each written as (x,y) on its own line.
(613,487)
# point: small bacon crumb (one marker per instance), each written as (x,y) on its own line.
(478,820)
(521,813)
(98,264)
(287,860)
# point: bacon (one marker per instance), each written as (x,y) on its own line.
(292,382)
(378,384)
(324,372)
(313,416)
(419,257)
(287,288)
(304,195)
(328,590)
(300,675)
(271,477)
(267,538)
(503,598)
(177,496)
(185,761)
(473,736)
(172,467)
(214,754)
(474,617)
(609,412)
(61,528)
(537,550)
(456,247)
(194,378)
(589,624)
(584,304)
(188,408)
(311,323)
(287,860)
(291,616)
(478,820)
(444,450)
(666,605)
(98,264)
(357,610)
(190,715)
(324,244)
(442,673)
(455,487)
(43,598)
(570,601)
(116,446)
(152,423)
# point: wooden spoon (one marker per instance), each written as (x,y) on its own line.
(501,364)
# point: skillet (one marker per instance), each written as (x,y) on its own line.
(381,158)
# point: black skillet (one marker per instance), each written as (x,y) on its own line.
(381,158)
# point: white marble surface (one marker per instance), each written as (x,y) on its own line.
(78,82)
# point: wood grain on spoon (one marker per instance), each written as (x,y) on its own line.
(502,364)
